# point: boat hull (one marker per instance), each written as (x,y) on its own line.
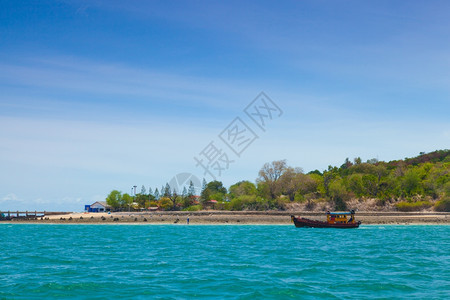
(303,222)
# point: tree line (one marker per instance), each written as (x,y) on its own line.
(411,184)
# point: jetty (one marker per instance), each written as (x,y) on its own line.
(24,215)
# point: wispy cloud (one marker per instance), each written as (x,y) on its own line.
(81,80)
(10,197)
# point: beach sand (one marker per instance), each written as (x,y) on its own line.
(232,218)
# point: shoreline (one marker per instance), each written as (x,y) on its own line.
(205,224)
(230,218)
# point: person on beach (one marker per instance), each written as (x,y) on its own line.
(187,220)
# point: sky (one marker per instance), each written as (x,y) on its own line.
(101,95)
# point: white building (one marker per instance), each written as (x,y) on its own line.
(99,206)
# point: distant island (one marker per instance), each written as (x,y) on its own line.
(420,183)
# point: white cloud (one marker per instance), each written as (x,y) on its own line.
(10,197)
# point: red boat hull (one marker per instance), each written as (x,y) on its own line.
(303,222)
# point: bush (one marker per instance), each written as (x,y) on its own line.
(193,208)
(413,206)
(252,202)
(299,197)
(443,205)
(236,204)
(281,203)
(340,204)
(165,203)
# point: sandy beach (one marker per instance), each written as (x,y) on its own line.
(231,218)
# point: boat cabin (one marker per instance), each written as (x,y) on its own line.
(341,217)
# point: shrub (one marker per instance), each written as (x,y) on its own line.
(165,203)
(340,204)
(252,202)
(236,204)
(381,202)
(281,203)
(411,183)
(193,208)
(299,197)
(443,205)
(413,206)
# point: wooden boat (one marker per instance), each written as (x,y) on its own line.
(334,220)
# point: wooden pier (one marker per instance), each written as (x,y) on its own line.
(24,215)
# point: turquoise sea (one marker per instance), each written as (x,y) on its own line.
(223,262)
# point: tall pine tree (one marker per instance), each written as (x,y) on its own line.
(204,184)
(167,192)
(191,191)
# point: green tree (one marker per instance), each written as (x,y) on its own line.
(318,183)
(317,172)
(127,200)
(289,182)
(370,184)
(141,200)
(191,190)
(167,190)
(308,183)
(213,189)
(372,161)
(114,199)
(338,194)
(443,205)
(328,177)
(355,184)
(347,164)
(187,201)
(294,182)
(263,190)
(151,198)
(242,188)
(165,203)
(411,183)
(204,183)
(175,198)
(381,171)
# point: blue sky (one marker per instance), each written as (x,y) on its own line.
(102,95)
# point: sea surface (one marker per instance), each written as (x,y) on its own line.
(223,262)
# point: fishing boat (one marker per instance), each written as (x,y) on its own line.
(334,220)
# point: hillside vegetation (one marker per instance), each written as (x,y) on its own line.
(411,184)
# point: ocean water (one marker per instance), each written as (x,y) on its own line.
(223,262)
